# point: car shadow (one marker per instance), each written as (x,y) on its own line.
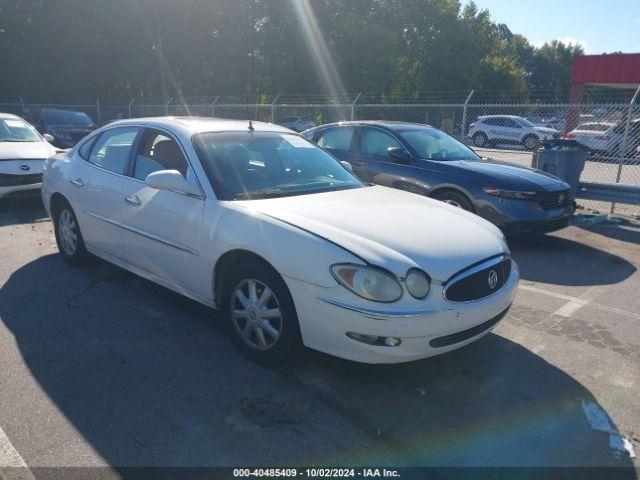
(625,232)
(21,209)
(561,261)
(140,374)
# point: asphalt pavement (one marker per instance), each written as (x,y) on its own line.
(99,368)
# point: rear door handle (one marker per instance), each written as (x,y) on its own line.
(77,182)
(133,200)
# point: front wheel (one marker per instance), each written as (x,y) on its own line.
(68,236)
(262,320)
(455,199)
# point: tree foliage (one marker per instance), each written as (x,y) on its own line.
(79,50)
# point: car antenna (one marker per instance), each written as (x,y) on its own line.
(251,126)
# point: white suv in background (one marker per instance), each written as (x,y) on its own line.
(497,129)
(22,153)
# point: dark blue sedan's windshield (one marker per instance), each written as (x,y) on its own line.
(253,165)
(433,144)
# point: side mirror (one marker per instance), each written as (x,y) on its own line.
(347,166)
(48,137)
(399,154)
(170,180)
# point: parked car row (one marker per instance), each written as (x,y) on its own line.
(603,138)
(285,241)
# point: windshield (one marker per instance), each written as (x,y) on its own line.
(65,117)
(433,144)
(17,130)
(525,122)
(253,165)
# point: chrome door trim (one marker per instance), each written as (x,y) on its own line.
(103,218)
(159,238)
(145,233)
(379,314)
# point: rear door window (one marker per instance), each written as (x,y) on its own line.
(111,150)
(337,138)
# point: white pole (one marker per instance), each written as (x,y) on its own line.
(273,108)
(464,115)
(213,106)
(166,106)
(353,106)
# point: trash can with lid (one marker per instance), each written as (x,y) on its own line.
(562,158)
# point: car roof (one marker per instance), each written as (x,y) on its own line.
(391,124)
(192,125)
(500,116)
(9,115)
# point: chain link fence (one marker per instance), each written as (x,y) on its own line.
(496,129)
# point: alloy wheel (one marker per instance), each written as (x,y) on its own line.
(256,314)
(452,202)
(68,232)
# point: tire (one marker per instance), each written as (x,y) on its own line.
(68,236)
(530,142)
(455,199)
(267,339)
(480,139)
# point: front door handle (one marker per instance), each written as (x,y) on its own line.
(133,200)
(77,182)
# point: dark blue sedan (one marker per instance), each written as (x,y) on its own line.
(426,161)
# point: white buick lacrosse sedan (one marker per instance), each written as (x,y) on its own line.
(255,221)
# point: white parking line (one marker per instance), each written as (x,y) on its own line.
(579,302)
(10,459)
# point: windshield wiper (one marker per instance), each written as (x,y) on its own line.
(11,140)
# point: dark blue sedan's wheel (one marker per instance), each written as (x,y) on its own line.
(455,199)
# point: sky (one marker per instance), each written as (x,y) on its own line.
(601,26)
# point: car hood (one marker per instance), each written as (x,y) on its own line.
(391,228)
(25,150)
(493,173)
(60,128)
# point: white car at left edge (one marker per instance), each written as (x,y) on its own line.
(22,153)
(255,221)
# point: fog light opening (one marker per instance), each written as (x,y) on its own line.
(374,340)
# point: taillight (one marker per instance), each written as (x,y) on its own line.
(568,135)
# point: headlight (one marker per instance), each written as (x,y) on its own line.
(418,283)
(519,195)
(367,282)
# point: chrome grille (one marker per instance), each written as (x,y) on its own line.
(479,280)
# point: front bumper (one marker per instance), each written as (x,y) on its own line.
(19,188)
(522,216)
(424,327)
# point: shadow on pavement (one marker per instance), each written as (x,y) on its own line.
(626,232)
(21,209)
(141,375)
(560,261)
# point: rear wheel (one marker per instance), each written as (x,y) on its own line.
(262,320)
(531,142)
(480,139)
(68,235)
(455,199)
